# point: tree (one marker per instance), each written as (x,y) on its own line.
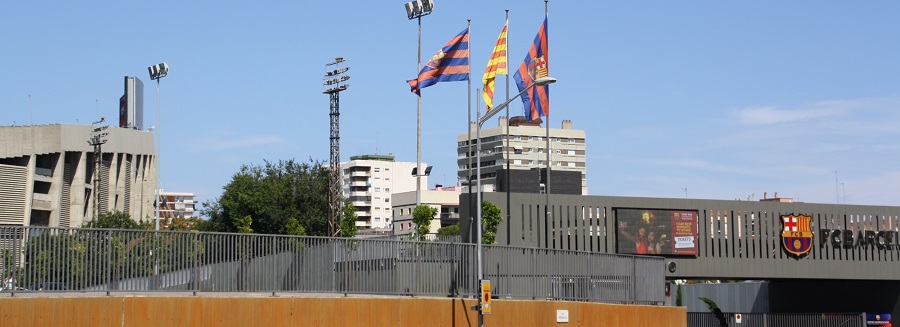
(348,224)
(490,220)
(184,223)
(715,311)
(451,230)
(678,301)
(286,197)
(422,216)
(113,219)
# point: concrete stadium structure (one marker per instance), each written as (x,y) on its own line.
(47,174)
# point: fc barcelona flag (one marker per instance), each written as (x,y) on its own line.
(536,65)
(450,64)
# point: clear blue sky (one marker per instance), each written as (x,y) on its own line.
(725,98)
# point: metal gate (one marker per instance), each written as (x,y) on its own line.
(708,319)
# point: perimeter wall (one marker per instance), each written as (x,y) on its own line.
(304,311)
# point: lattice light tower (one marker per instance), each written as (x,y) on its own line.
(334,82)
(98,138)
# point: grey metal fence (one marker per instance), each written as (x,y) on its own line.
(706,319)
(77,259)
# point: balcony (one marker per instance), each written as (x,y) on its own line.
(360,193)
(360,173)
(360,184)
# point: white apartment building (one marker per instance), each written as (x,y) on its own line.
(444,199)
(369,181)
(527,150)
(48,175)
(177,204)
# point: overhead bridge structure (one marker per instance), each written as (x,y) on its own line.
(816,256)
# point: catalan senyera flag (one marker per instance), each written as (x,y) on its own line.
(497,65)
(450,64)
(536,65)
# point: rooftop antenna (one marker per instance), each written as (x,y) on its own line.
(30,110)
(685,192)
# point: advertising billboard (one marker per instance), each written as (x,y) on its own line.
(657,232)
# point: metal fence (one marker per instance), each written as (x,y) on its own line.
(78,259)
(707,319)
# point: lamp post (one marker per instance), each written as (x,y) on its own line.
(415,10)
(156,72)
(481,120)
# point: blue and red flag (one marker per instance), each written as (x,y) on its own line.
(536,100)
(450,64)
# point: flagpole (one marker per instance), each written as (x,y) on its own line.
(469,103)
(547,116)
(508,191)
(419,125)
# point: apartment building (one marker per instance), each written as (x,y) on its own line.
(527,151)
(444,199)
(369,181)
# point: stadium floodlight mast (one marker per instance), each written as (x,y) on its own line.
(481,120)
(415,10)
(156,72)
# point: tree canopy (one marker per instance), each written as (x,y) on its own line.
(286,197)
(490,220)
(422,216)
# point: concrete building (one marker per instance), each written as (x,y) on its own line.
(369,182)
(444,199)
(176,204)
(47,174)
(528,150)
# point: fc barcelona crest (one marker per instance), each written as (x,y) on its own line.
(797,235)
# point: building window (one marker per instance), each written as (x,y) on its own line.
(377,189)
(377,170)
(389,199)
(387,189)
(518,137)
(558,151)
(377,219)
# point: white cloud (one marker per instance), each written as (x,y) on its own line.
(772,115)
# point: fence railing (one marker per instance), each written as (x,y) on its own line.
(707,319)
(76,259)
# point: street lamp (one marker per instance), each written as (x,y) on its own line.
(415,10)
(156,72)
(481,120)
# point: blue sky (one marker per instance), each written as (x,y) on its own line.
(728,99)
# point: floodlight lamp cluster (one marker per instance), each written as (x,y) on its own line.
(427,171)
(335,79)
(158,71)
(419,8)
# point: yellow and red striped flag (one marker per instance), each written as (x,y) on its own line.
(497,65)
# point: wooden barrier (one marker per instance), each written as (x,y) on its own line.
(311,311)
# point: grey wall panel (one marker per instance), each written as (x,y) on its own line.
(736,239)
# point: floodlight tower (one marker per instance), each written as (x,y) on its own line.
(98,138)
(157,72)
(335,82)
(415,10)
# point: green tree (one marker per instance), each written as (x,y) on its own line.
(113,219)
(490,220)
(422,216)
(451,230)
(348,223)
(272,196)
(678,301)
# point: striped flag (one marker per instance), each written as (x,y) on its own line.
(450,64)
(536,100)
(497,65)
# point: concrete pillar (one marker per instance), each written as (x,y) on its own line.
(56,189)
(29,189)
(78,206)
